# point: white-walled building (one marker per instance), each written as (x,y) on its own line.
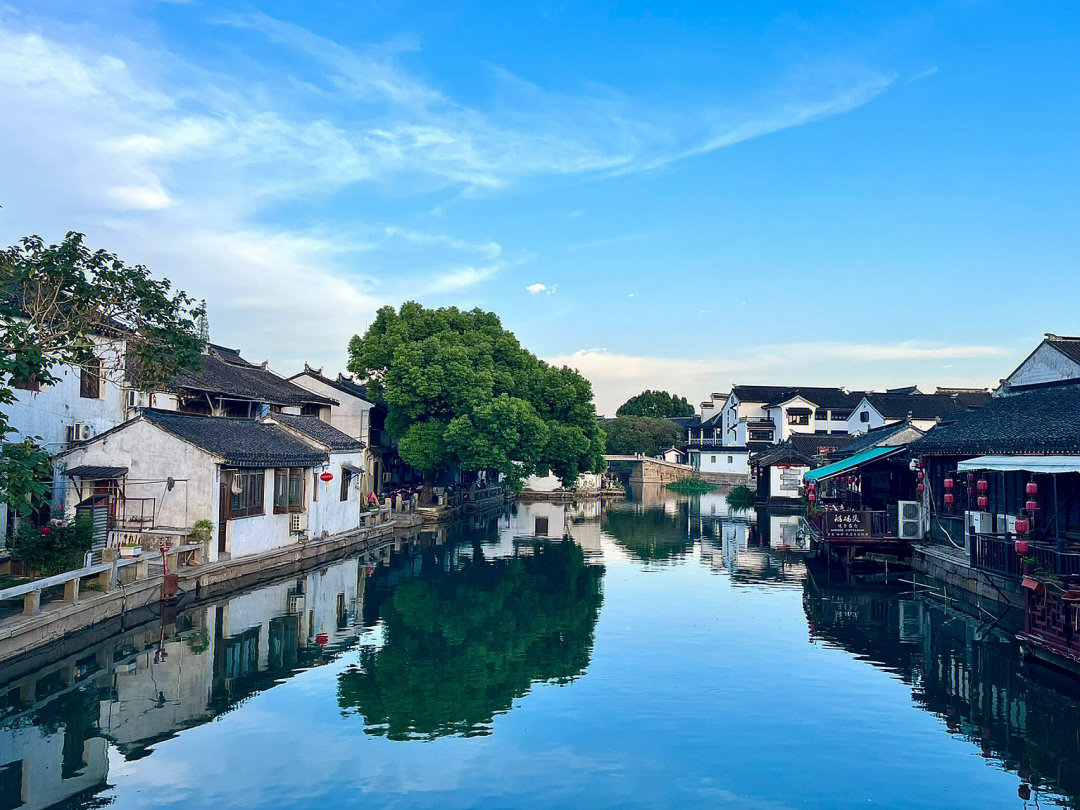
(922,410)
(258,482)
(1056,359)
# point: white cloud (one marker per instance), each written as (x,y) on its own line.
(536,288)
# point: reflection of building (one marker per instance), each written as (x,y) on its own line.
(546,520)
(142,687)
(966,672)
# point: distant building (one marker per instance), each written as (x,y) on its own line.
(1056,359)
(922,410)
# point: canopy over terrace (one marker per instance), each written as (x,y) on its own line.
(1050,465)
(851,463)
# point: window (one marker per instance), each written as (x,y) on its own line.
(712,459)
(24,382)
(346,482)
(540,527)
(864,416)
(761,435)
(315,485)
(90,380)
(246,492)
(798,418)
(288,490)
(731,459)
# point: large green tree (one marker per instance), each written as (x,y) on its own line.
(461,392)
(656,404)
(68,305)
(627,435)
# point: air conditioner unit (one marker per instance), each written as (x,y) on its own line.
(298,522)
(137,399)
(910,520)
(78,432)
(976,523)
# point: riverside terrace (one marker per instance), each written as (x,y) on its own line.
(1008,480)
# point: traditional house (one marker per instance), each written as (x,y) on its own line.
(1005,481)
(1056,359)
(255,481)
(779,470)
(228,385)
(923,411)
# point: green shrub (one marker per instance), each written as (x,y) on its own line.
(741,498)
(57,546)
(691,486)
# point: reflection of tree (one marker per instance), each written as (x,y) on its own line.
(459,646)
(650,534)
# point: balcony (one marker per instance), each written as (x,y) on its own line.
(997,554)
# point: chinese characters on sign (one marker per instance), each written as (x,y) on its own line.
(847,524)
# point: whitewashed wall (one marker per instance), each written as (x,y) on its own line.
(1046,364)
(329,514)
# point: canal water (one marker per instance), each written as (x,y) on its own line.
(660,652)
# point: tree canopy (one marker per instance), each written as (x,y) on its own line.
(462,392)
(459,646)
(627,435)
(656,404)
(66,305)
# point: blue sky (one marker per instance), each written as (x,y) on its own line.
(685,196)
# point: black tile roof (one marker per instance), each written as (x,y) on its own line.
(1042,421)
(809,448)
(89,472)
(823,397)
(243,442)
(876,436)
(315,428)
(918,406)
(344,384)
(1068,346)
(224,372)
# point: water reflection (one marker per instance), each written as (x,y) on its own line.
(967,672)
(687,616)
(462,642)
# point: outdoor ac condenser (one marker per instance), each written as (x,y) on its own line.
(298,522)
(910,520)
(976,523)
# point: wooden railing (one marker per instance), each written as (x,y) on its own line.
(852,525)
(997,553)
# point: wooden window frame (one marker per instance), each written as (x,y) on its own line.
(90,380)
(346,482)
(252,496)
(288,504)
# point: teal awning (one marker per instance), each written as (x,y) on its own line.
(848,464)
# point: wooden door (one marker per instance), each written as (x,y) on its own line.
(223,511)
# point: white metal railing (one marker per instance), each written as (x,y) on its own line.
(106,575)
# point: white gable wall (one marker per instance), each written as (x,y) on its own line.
(1046,364)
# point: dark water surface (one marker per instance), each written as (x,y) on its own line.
(666,656)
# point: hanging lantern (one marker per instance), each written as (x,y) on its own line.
(971,479)
(920,475)
(922,463)
(811,497)
(810,486)
(326,477)
(983,485)
(1021,547)
(1031,506)
(1032,488)
(322,639)
(921,488)
(983,501)
(1022,525)
(949,499)
(948,483)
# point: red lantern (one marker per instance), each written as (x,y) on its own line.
(983,501)
(810,486)
(1022,526)
(1021,547)
(983,485)
(920,475)
(1031,506)
(971,479)
(922,463)
(322,639)
(326,477)
(949,499)
(811,497)
(1032,488)
(45,530)
(921,488)
(948,483)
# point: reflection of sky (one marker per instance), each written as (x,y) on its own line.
(699,694)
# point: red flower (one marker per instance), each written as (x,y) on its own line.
(45,529)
